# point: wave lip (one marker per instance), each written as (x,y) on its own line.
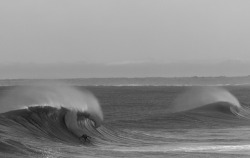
(222,107)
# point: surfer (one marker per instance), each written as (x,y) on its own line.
(85,137)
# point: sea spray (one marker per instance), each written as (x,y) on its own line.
(199,96)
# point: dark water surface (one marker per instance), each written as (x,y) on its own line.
(138,122)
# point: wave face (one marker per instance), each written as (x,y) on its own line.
(49,120)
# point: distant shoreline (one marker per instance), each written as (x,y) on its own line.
(147,81)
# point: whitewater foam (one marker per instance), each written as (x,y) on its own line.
(184,148)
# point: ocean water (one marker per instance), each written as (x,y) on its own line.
(150,121)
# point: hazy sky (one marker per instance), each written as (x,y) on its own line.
(119,32)
(113,31)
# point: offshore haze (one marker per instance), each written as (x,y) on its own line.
(127,70)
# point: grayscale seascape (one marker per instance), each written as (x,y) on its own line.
(124,78)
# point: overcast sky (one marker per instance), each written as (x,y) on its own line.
(123,31)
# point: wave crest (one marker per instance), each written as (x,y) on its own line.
(204,96)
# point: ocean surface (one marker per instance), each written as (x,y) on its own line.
(125,121)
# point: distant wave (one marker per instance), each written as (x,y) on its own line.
(242,111)
(209,99)
(196,97)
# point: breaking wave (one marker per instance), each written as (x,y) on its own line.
(209,99)
(53,109)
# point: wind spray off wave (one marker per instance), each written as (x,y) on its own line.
(209,98)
